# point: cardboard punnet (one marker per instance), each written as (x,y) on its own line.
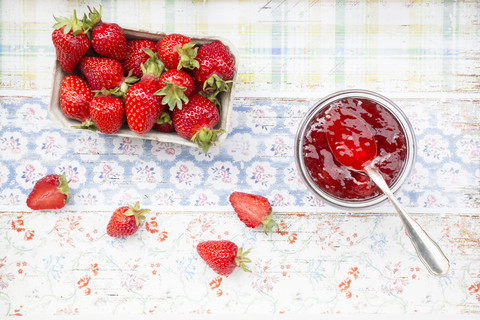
(225,98)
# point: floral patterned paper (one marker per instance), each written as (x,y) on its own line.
(320,260)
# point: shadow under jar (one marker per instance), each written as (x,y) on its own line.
(338,185)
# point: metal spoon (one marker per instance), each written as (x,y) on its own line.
(354,146)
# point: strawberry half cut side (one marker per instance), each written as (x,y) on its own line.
(253,210)
(50,192)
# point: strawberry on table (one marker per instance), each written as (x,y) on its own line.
(102,73)
(223,256)
(142,106)
(108,39)
(75,97)
(107,112)
(70,41)
(176,86)
(177,52)
(49,192)
(253,210)
(125,220)
(136,56)
(195,121)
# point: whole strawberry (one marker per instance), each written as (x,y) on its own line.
(142,106)
(164,122)
(195,121)
(50,192)
(75,97)
(107,112)
(70,42)
(102,73)
(214,60)
(253,210)
(136,56)
(223,256)
(125,220)
(108,39)
(175,86)
(177,52)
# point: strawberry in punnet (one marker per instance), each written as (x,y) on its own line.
(125,220)
(143,107)
(216,67)
(195,121)
(75,97)
(253,210)
(102,73)
(223,256)
(108,39)
(164,122)
(177,52)
(70,41)
(176,86)
(107,112)
(50,192)
(136,56)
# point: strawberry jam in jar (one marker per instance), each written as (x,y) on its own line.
(338,185)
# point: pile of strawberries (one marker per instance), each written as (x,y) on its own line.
(223,256)
(169,85)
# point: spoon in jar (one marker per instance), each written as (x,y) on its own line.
(354,146)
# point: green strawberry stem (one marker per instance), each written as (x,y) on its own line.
(216,84)
(153,66)
(241,259)
(164,118)
(187,54)
(63,185)
(206,137)
(269,224)
(138,213)
(74,25)
(213,86)
(174,96)
(94,17)
(87,125)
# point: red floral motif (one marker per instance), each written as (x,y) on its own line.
(16,312)
(19,225)
(474,290)
(94,269)
(285,268)
(65,226)
(327,231)
(354,272)
(83,282)
(344,286)
(215,284)
(155,268)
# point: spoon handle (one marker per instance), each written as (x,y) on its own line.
(427,250)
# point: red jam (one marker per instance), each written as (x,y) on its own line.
(340,181)
(349,138)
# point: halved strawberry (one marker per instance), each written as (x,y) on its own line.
(253,210)
(50,192)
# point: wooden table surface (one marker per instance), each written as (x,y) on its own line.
(423,55)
